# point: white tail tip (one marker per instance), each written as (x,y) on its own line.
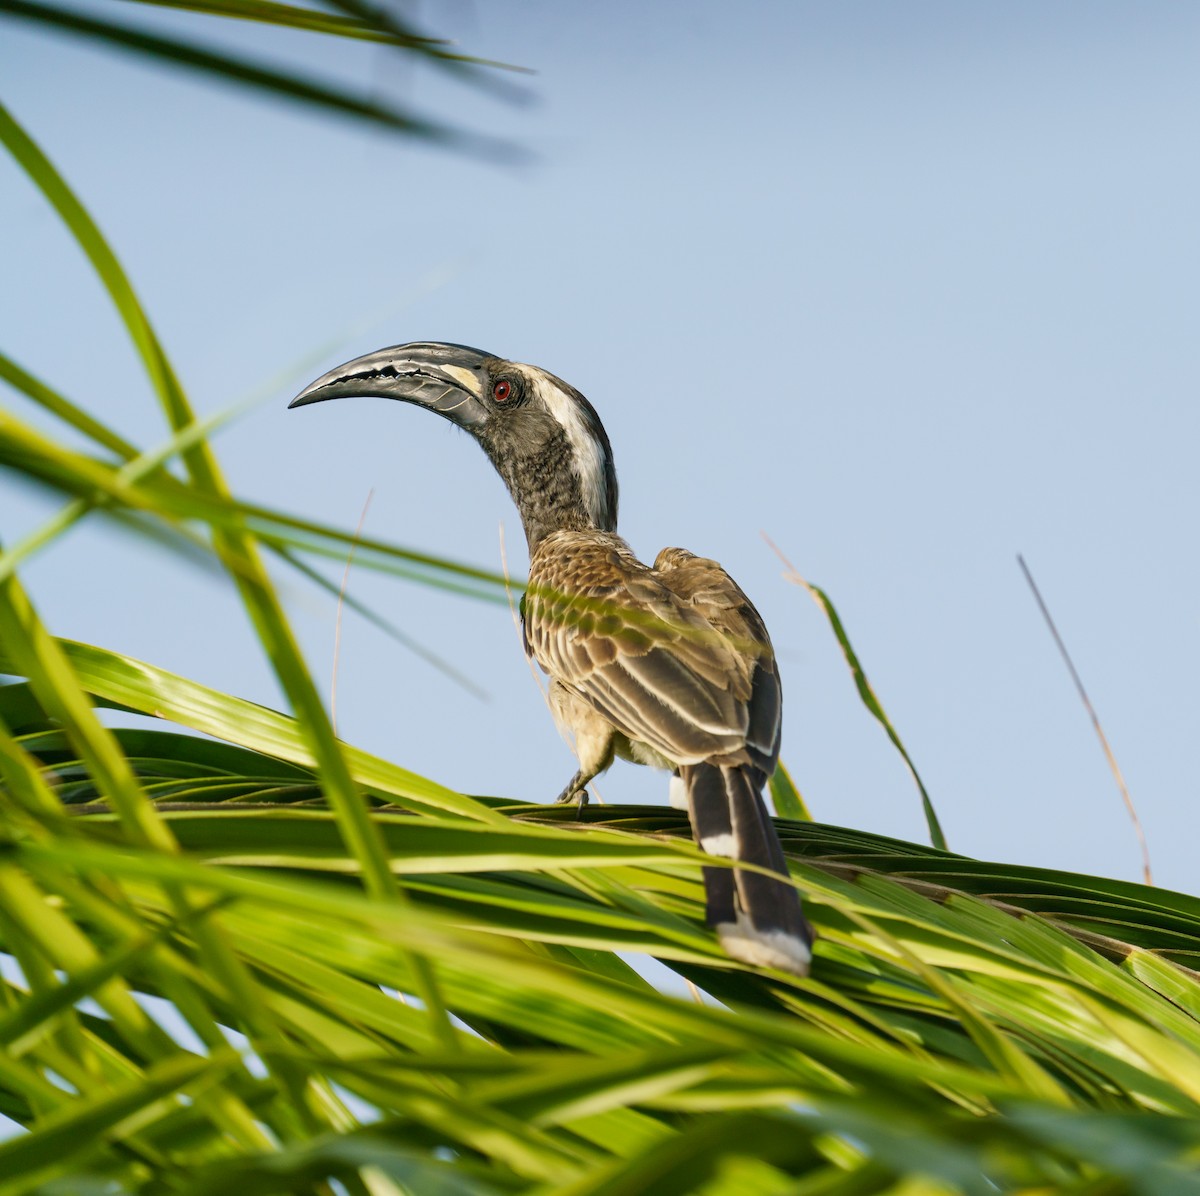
(765,948)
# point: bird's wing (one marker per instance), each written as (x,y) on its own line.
(710,591)
(674,657)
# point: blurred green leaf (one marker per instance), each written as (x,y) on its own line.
(439,994)
(872,703)
(787,799)
(293,86)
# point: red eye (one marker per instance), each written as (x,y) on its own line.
(501,391)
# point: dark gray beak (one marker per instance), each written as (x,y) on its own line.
(444,378)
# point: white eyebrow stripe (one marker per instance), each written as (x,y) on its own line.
(586,450)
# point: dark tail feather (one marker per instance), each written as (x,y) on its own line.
(757,918)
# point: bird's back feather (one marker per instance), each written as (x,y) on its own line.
(675,657)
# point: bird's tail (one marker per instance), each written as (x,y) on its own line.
(757,918)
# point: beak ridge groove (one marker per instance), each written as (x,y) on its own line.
(446,379)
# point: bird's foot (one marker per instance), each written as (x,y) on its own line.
(573,795)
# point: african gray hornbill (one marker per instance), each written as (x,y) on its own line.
(669,666)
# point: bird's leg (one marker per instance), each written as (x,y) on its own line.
(576,790)
(591,736)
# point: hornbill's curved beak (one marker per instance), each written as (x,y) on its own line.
(446,379)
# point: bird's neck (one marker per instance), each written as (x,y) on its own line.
(559,483)
(549,497)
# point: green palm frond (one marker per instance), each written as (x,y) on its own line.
(239,955)
(963,1019)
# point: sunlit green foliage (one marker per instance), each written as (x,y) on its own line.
(259,960)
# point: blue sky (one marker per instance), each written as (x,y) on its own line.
(910,288)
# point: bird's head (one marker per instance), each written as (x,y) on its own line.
(544,438)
